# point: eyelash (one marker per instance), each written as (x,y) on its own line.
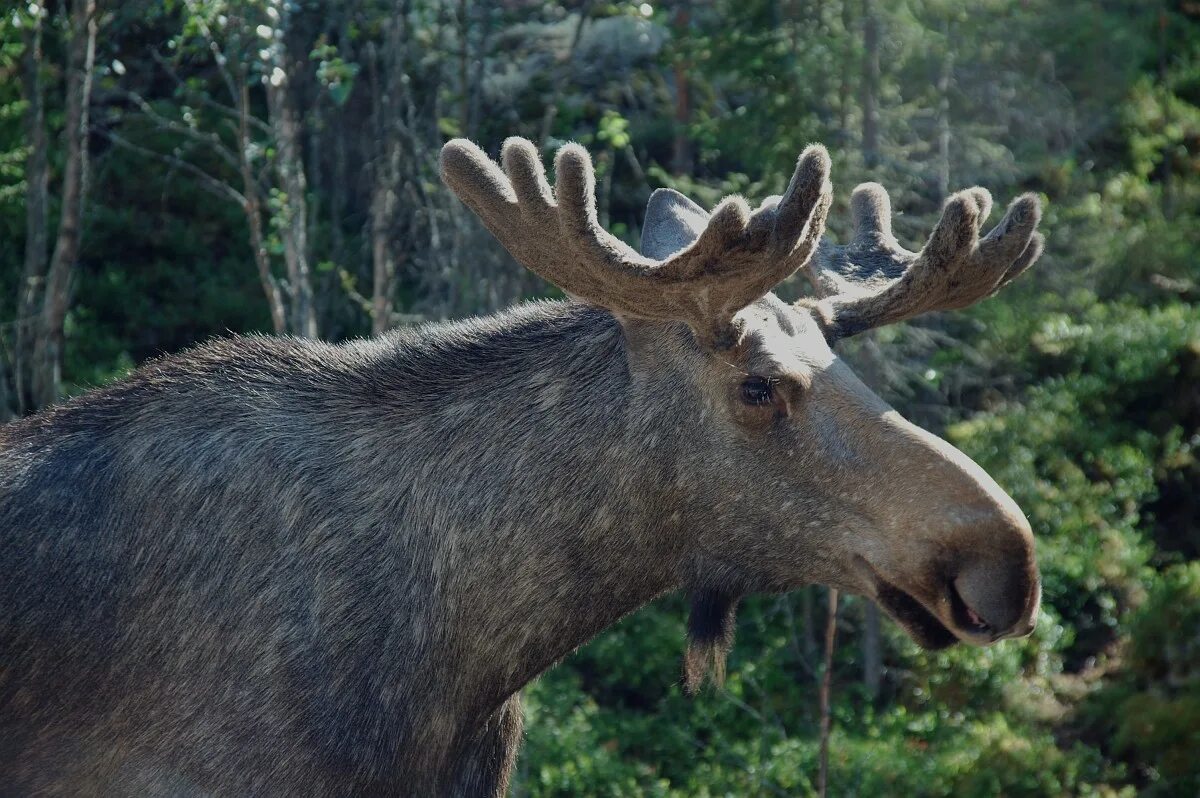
(758,391)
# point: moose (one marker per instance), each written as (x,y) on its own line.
(271,566)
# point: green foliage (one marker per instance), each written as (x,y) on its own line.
(1085,449)
(1150,713)
(335,73)
(1164,638)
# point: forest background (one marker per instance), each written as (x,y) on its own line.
(172,170)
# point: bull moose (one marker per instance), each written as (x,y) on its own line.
(270,566)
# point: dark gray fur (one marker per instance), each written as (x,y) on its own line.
(273,566)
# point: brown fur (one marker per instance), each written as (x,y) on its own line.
(737,258)
(873,281)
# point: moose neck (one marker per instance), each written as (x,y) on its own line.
(539,498)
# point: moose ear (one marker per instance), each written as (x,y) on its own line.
(673,222)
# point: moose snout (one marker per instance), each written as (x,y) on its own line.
(986,565)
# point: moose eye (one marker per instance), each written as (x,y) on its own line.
(757,391)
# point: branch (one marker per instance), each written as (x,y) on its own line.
(203,98)
(218,55)
(395,317)
(209,182)
(209,139)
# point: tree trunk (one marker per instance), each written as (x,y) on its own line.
(287,131)
(48,349)
(870,88)
(681,155)
(36,224)
(464,66)
(7,402)
(383,255)
(285,124)
(329,284)
(561,74)
(845,91)
(389,88)
(252,207)
(477,72)
(338,192)
(943,84)
(872,650)
(826,706)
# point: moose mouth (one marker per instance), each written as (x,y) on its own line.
(923,626)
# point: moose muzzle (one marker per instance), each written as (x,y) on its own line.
(957,562)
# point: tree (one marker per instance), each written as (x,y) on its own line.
(281,87)
(870,84)
(36,222)
(258,163)
(81,50)
(390,89)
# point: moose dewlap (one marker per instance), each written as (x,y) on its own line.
(276,567)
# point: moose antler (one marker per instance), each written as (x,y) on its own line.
(873,281)
(737,258)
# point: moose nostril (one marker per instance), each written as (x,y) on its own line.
(964,615)
(994,595)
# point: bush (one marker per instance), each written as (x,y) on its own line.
(1151,712)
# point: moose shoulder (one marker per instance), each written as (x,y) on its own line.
(269,566)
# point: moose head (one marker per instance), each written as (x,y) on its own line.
(786,469)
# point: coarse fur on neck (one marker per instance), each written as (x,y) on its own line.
(524,566)
(435,512)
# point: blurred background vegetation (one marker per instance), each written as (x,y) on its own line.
(178,169)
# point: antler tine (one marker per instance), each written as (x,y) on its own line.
(555,233)
(575,193)
(873,281)
(809,183)
(521,162)
(871,213)
(476,180)
(1033,251)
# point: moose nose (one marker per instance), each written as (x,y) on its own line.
(999,595)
